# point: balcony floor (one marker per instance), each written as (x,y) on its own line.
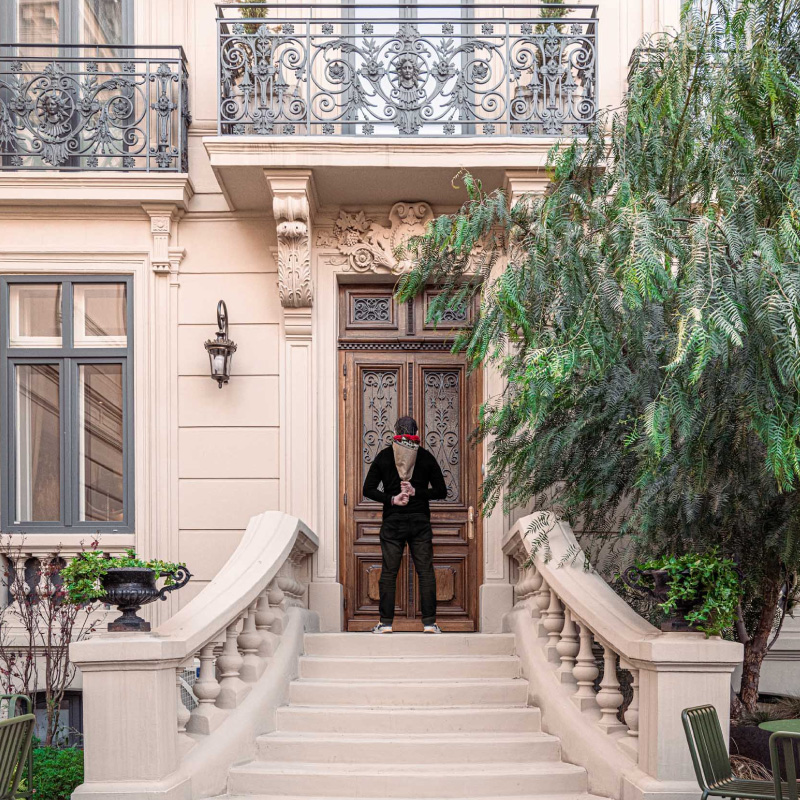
(355,170)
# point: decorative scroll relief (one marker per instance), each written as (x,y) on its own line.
(367,246)
(443,426)
(294,251)
(372,309)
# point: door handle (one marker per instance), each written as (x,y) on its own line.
(471,523)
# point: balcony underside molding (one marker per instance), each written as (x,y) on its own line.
(87,189)
(352,170)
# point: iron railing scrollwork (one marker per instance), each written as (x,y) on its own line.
(413,69)
(94,108)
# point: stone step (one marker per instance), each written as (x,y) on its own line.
(409,692)
(421,667)
(404,749)
(399,720)
(562,796)
(407,780)
(409,644)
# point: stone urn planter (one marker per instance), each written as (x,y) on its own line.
(130,588)
(654,583)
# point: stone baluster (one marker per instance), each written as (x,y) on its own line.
(553,623)
(521,592)
(526,585)
(183,713)
(585,671)
(18,585)
(206,717)
(536,586)
(567,648)
(542,598)
(265,616)
(293,589)
(278,601)
(185,742)
(609,698)
(232,688)
(632,711)
(249,642)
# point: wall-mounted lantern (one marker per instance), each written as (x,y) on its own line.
(221,349)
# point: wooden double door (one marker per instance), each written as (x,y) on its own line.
(391,363)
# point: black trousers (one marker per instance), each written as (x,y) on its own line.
(397,531)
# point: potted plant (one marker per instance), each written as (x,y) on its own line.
(698,592)
(125,581)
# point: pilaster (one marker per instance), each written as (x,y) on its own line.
(294,205)
(159,539)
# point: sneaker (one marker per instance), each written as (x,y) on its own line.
(431,628)
(381,628)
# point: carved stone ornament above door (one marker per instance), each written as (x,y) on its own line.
(365,245)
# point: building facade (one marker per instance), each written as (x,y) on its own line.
(158,157)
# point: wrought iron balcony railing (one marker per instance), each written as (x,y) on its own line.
(93,108)
(407,69)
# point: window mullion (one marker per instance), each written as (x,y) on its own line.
(68,433)
(67,368)
(68,32)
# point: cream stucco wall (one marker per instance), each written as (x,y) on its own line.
(208,459)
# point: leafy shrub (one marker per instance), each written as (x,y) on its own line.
(709,582)
(57,772)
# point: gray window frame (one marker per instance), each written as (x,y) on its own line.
(69,359)
(69,18)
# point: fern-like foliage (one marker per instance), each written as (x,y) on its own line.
(645,311)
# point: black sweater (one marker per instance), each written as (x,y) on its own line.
(427,473)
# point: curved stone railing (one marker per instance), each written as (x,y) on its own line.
(562,613)
(245,629)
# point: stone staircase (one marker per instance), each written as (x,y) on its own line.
(408,716)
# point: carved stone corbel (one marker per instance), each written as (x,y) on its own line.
(291,207)
(162,219)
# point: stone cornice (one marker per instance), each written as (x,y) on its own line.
(318,151)
(26,187)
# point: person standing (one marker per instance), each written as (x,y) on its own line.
(410,477)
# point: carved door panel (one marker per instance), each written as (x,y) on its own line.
(380,381)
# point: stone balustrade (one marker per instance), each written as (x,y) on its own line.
(244,630)
(565,616)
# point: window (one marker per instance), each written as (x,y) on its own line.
(66,380)
(89,22)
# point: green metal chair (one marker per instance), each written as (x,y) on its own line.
(15,744)
(783,753)
(16,707)
(712,763)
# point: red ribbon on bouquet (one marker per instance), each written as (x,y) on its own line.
(406,437)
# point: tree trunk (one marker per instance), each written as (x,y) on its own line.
(756,648)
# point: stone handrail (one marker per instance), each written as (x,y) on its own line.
(562,611)
(245,628)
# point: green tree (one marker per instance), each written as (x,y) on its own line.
(645,311)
